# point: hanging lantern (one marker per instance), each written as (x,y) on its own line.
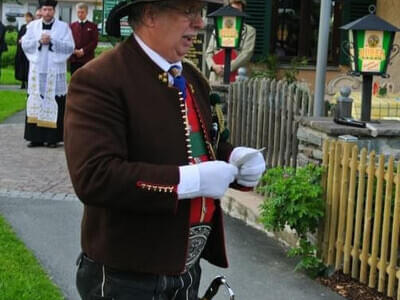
(371,45)
(228,22)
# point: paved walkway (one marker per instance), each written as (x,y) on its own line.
(37,198)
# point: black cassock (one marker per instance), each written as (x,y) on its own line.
(21,62)
(36,134)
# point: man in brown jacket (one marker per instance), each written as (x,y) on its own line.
(141,159)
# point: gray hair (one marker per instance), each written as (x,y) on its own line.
(82,5)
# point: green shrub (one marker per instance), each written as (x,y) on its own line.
(11,38)
(100,50)
(8,57)
(294,198)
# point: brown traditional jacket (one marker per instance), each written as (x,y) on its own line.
(125,137)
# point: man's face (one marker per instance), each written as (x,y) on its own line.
(38,13)
(81,13)
(175,28)
(48,13)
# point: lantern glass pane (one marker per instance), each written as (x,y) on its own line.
(373,50)
(228,31)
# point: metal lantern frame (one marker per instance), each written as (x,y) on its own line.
(371,50)
(228,27)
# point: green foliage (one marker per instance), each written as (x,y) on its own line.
(10,103)
(21,276)
(100,50)
(271,72)
(294,198)
(11,38)
(290,75)
(8,57)
(7,77)
(309,262)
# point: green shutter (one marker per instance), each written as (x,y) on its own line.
(352,10)
(260,19)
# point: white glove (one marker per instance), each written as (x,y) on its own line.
(208,179)
(250,167)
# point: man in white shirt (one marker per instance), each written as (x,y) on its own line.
(47,44)
(141,159)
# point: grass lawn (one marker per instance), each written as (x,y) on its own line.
(10,103)
(21,276)
(7,77)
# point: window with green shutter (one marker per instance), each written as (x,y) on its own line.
(260,16)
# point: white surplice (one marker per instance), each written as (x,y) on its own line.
(47,70)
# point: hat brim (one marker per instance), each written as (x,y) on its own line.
(122,10)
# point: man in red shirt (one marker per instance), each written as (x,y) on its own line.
(85,36)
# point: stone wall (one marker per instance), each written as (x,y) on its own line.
(383,138)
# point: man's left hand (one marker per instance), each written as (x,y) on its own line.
(251,169)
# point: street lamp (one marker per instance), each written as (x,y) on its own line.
(371,49)
(228,22)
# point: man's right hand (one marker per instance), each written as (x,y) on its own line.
(207,179)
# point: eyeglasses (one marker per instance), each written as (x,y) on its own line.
(189,12)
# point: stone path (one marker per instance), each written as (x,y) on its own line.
(31,172)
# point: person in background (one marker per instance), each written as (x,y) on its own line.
(3,45)
(38,13)
(21,62)
(141,158)
(85,36)
(47,44)
(243,54)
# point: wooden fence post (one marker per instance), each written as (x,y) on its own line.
(277,124)
(282,148)
(271,121)
(249,106)
(260,114)
(386,226)
(373,260)
(335,203)
(367,219)
(350,210)
(342,204)
(266,124)
(289,127)
(295,142)
(392,268)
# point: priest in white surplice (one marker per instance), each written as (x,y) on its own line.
(47,44)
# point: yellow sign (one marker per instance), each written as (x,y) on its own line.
(228,33)
(372,54)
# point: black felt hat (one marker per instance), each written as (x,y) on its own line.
(122,10)
(47,3)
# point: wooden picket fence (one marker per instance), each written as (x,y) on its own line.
(362,221)
(262,113)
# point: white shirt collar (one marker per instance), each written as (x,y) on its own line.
(84,21)
(157,58)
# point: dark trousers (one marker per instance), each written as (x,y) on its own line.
(75,66)
(95,281)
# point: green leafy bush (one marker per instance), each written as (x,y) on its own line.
(8,57)
(294,198)
(271,62)
(11,38)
